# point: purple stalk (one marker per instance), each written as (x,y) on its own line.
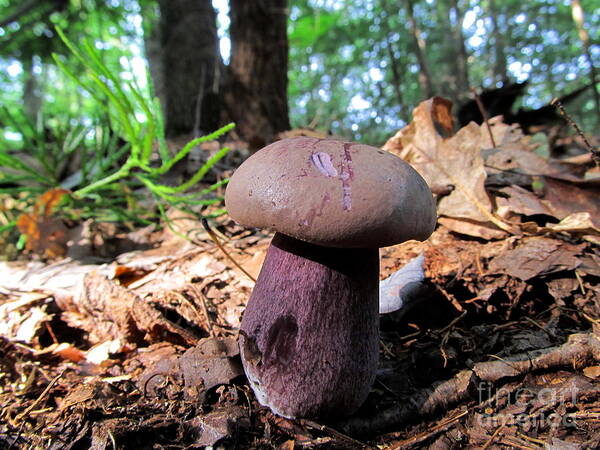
(309,338)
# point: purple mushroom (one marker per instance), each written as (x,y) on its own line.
(309,338)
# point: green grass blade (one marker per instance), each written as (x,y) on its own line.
(10,161)
(198,175)
(190,145)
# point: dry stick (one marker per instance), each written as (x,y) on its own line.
(531,439)
(484,114)
(451,298)
(51,332)
(446,330)
(579,347)
(436,429)
(511,442)
(213,236)
(202,298)
(594,151)
(333,432)
(494,435)
(41,397)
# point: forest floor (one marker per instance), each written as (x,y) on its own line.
(502,350)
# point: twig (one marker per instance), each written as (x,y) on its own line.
(213,236)
(453,301)
(51,332)
(484,114)
(453,322)
(386,349)
(438,428)
(41,397)
(204,308)
(446,330)
(540,326)
(334,433)
(425,402)
(511,443)
(594,151)
(531,439)
(496,433)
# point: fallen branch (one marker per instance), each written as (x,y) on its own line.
(579,351)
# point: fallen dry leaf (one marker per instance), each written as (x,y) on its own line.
(217,425)
(210,363)
(518,200)
(564,198)
(103,309)
(445,161)
(592,371)
(537,256)
(582,222)
(68,352)
(46,234)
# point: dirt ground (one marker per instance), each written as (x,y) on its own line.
(501,349)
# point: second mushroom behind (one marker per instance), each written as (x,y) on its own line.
(309,336)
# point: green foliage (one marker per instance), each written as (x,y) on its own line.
(122,152)
(342,75)
(123,102)
(310,29)
(342,55)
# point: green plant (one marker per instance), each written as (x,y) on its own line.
(124,150)
(122,102)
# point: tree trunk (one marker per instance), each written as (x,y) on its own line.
(421,52)
(578,18)
(500,70)
(153,47)
(183,51)
(256,93)
(462,57)
(394,63)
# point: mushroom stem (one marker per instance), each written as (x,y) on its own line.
(310,334)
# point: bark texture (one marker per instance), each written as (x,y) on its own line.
(256,95)
(461,56)
(500,68)
(310,335)
(190,66)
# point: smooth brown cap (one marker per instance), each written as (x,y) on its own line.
(331,193)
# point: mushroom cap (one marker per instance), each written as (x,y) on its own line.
(332,193)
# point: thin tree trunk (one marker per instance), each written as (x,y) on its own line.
(500,69)
(153,48)
(256,94)
(185,63)
(421,52)
(394,63)
(578,18)
(462,57)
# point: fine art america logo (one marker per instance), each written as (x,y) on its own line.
(526,407)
